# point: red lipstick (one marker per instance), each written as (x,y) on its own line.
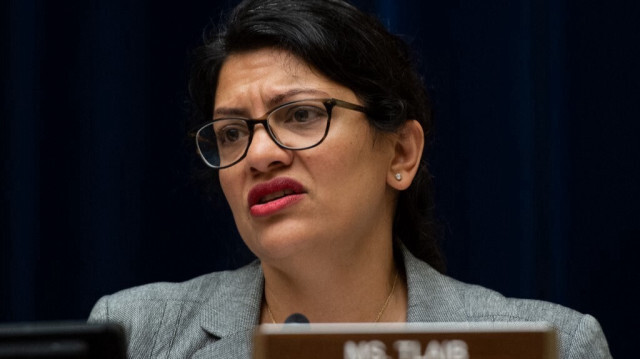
(269,197)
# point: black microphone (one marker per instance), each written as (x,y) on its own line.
(296,318)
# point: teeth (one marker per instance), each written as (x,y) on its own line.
(275,195)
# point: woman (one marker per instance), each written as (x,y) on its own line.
(313,120)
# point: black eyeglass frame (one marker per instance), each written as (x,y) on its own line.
(329,104)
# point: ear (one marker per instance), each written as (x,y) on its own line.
(409,144)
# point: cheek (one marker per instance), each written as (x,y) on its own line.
(230,188)
(329,163)
(348,167)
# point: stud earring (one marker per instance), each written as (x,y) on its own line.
(398,177)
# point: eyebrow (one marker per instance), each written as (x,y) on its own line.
(271,103)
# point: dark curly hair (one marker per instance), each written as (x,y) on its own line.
(351,48)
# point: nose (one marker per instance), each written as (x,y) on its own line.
(264,154)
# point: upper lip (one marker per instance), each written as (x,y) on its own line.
(286,185)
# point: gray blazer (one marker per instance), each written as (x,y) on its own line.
(213,316)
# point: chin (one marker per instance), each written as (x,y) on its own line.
(281,245)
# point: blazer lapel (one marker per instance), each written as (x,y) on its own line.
(233,346)
(231,314)
(431,296)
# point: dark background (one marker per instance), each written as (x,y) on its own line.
(535,153)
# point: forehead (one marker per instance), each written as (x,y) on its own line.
(270,76)
(254,64)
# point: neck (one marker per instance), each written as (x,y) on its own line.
(349,288)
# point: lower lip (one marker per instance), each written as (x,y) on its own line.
(269,208)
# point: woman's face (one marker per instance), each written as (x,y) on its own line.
(332,198)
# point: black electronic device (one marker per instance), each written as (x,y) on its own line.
(68,340)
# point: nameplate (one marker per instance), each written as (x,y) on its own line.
(405,341)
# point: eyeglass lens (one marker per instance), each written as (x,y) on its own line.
(297,125)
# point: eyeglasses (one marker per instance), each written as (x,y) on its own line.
(296,125)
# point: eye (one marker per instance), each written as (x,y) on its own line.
(305,114)
(231,133)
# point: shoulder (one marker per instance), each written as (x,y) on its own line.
(579,335)
(191,292)
(151,313)
(437,297)
(479,303)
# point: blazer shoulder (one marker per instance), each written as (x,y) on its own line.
(151,314)
(482,303)
(197,289)
(435,297)
(579,335)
